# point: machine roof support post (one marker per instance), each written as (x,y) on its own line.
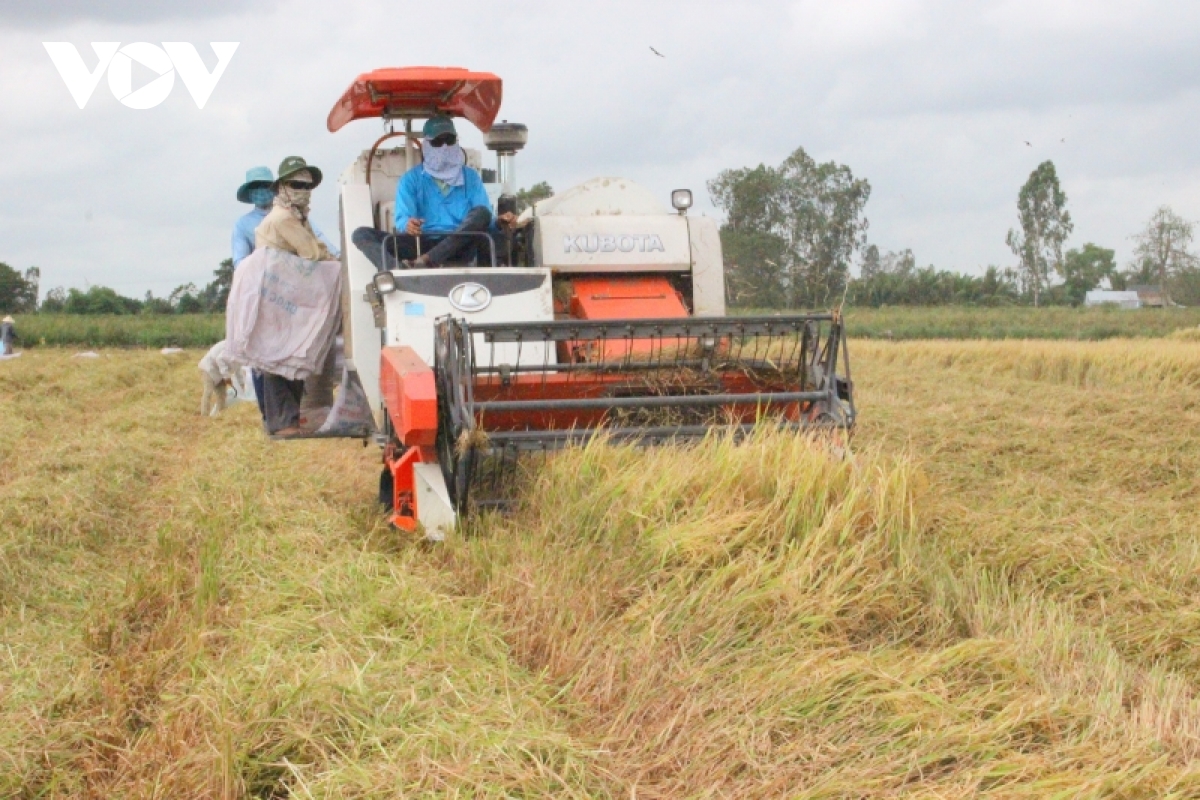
(410,158)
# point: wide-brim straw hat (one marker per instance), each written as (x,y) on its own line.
(9,320)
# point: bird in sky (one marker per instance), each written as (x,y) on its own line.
(660,55)
(1027,144)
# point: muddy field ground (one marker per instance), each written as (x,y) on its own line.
(996,594)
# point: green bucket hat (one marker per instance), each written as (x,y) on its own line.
(255,176)
(293,164)
(436,126)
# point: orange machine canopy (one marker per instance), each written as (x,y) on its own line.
(420,92)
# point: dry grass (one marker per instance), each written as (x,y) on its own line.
(1186,334)
(1013,322)
(1086,493)
(1153,364)
(995,594)
(189,611)
(768,620)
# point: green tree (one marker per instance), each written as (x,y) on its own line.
(215,295)
(18,293)
(1045,226)
(900,282)
(1185,289)
(811,213)
(901,264)
(156,305)
(755,255)
(527,197)
(871,265)
(55,301)
(99,300)
(1084,269)
(999,287)
(1163,249)
(753,278)
(185,299)
(33,283)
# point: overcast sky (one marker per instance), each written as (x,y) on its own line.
(933,102)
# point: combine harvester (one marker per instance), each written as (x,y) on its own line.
(603,313)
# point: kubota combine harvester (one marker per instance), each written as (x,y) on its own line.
(603,313)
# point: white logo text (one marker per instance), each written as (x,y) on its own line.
(612,242)
(164,61)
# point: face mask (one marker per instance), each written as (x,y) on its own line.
(444,163)
(262,196)
(295,199)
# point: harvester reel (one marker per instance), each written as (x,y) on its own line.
(510,391)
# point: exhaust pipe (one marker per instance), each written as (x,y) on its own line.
(505,139)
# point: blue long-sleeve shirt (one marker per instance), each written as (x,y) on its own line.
(243,234)
(442,207)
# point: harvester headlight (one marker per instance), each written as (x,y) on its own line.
(681,199)
(384,282)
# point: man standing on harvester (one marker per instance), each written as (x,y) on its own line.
(259,191)
(441,197)
(287,228)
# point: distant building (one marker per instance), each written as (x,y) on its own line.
(1151,296)
(1100,297)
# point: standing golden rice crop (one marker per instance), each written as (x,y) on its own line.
(1151,363)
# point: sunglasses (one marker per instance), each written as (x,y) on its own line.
(300,186)
(444,139)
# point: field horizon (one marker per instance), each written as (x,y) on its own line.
(898,323)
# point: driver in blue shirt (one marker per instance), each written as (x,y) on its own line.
(440,197)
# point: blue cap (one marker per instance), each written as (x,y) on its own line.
(436,126)
(255,176)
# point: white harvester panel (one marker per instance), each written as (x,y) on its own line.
(477,294)
(609,225)
(433,502)
(616,243)
(708,271)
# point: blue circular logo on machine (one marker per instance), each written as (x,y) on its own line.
(470,297)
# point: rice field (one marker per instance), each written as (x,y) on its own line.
(896,323)
(994,594)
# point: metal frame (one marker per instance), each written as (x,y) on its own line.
(687,327)
(383,253)
(757,371)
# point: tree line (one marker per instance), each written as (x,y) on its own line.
(19,295)
(792,234)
